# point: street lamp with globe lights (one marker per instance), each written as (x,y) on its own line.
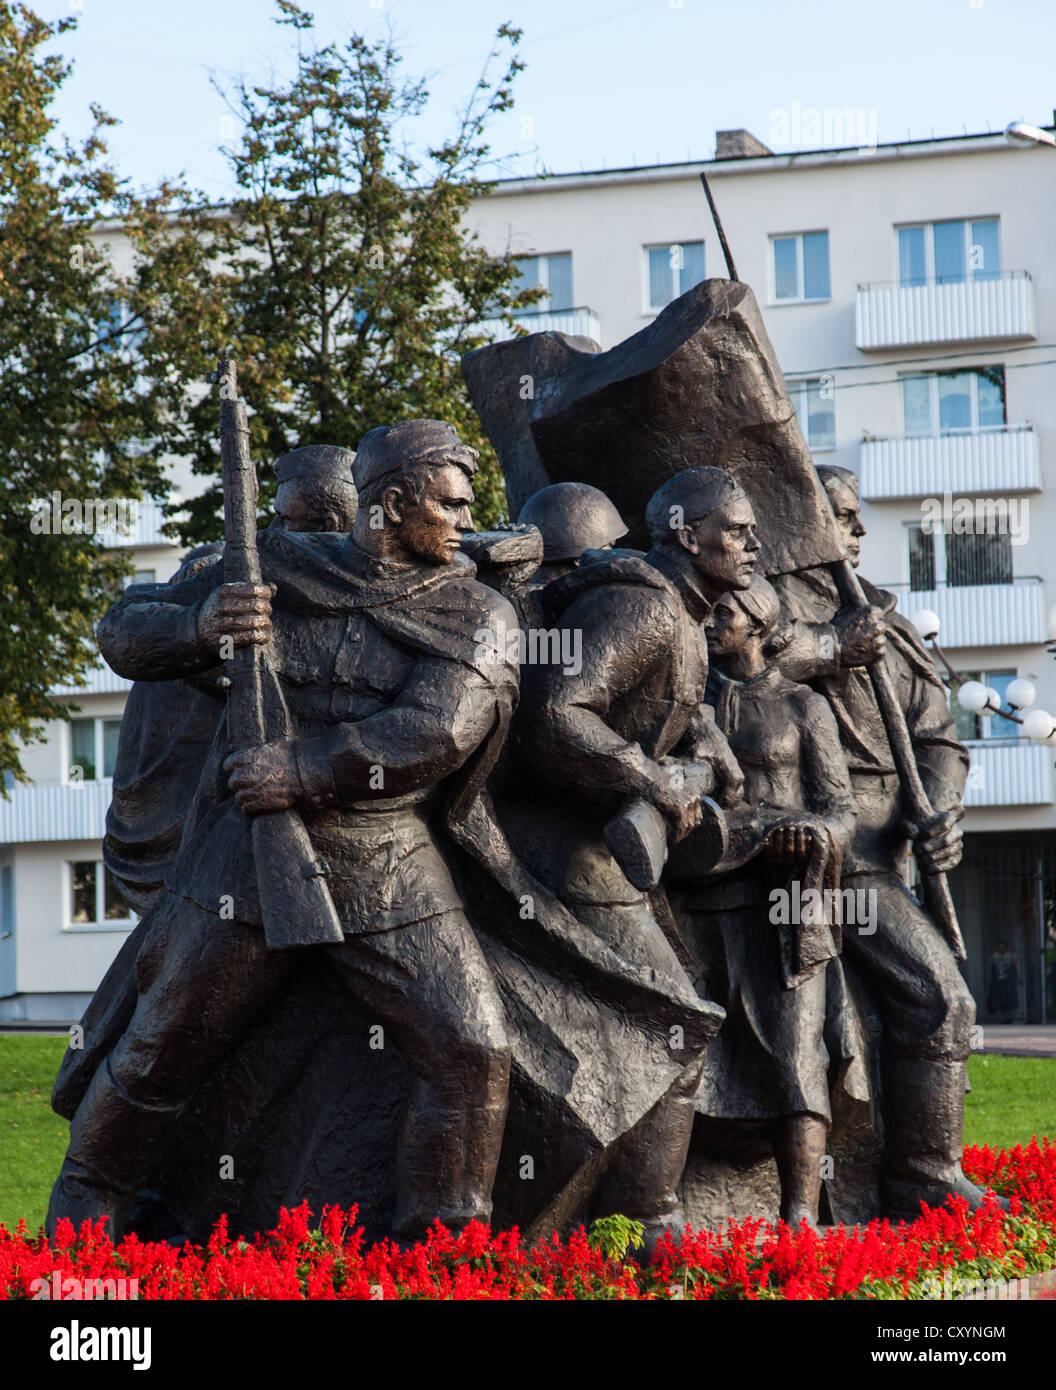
(977,698)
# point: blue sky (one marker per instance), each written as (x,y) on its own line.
(608,84)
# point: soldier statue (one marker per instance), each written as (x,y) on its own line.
(907,965)
(626,727)
(389,700)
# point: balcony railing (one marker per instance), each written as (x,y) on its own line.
(579,323)
(100,680)
(997,309)
(146,530)
(982,615)
(968,464)
(73,811)
(1009,772)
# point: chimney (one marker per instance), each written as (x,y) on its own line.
(738,144)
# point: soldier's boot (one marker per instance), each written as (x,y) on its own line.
(923,1104)
(450,1143)
(114,1142)
(799,1150)
(643,1179)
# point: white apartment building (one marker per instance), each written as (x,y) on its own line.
(910,294)
(62,919)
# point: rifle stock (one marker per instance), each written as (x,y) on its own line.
(295,903)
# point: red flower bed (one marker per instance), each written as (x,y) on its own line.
(748,1260)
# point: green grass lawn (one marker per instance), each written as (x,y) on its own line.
(1012,1099)
(32,1137)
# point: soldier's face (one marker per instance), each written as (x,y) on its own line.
(725,547)
(432,528)
(847,510)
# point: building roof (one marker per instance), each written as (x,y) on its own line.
(933,147)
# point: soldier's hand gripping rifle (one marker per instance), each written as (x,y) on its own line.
(295,903)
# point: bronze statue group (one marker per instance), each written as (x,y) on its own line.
(603,911)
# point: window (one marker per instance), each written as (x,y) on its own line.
(143,577)
(801,266)
(978,559)
(115,329)
(969,399)
(948,253)
(921,559)
(7,901)
(550,273)
(671,271)
(816,408)
(961,559)
(94,895)
(93,746)
(971,725)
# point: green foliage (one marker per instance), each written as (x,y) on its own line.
(341,277)
(73,406)
(616,1236)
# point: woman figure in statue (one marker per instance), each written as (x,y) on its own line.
(766,924)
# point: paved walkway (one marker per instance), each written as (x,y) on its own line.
(1020,1039)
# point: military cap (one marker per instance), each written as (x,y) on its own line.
(316,461)
(390,448)
(696,491)
(831,476)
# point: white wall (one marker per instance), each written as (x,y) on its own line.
(53,957)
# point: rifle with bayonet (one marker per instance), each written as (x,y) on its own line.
(295,903)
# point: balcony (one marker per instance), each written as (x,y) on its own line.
(1009,772)
(578,323)
(73,811)
(969,464)
(982,615)
(99,680)
(146,530)
(970,311)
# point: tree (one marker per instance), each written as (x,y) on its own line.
(341,277)
(73,406)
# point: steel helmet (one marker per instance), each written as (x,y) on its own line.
(572,517)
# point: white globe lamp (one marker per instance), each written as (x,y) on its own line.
(1020,693)
(1039,725)
(927,624)
(972,696)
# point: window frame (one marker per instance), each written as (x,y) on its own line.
(801,297)
(929,250)
(98,747)
(986,678)
(932,375)
(7,901)
(648,308)
(100,923)
(940,563)
(543,258)
(794,384)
